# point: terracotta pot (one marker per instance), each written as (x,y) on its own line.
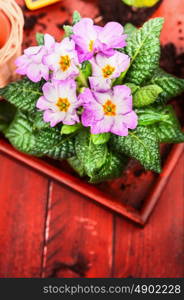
(4,29)
(11,33)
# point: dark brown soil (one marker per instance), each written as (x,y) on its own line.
(116,10)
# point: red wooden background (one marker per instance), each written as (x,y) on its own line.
(48,230)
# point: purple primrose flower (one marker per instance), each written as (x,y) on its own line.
(31,62)
(63,60)
(104,69)
(90,39)
(59,102)
(110,111)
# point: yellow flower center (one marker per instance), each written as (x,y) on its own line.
(63,104)
(91,44)
(109,108)
(108,71)
(65,62)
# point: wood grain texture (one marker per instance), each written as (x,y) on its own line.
(23,199)
(158,249)
(79,236)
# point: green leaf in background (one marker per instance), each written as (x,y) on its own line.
(68,30)
(68,129)
(169,131)
(143,47)
(23,94)
(140,3)
(37,121)
(40,38)
(151,115)
(146,95)
(171,85)
(76,17)
(101,138)
(20,133)
(112,169)
(142,145)
(7,113)
(90,155)
(129,28)
(75,163)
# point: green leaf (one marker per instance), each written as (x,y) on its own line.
(101,138)
(171,86)
(91,156)
(85,72)
(40,38)
(49,142)
(67,129)
(169,131)
(129,28)
(134,88)
(75,163)
(20,133)
(38,122)
(151,115)
(143,47)
(142,145)
(76,17)
(7,113)
(28,138)
(112,169)
(68,30)
(141,3)
(146,95)
(23,94)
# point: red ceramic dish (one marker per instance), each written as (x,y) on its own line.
(135,194)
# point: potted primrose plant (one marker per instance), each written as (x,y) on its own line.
(97,99)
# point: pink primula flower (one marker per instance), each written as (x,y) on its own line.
(63,60)
(91,39)
(59,102)
(31,62)
(109,112)
(104,69)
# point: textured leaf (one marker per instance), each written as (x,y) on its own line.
(7,113)
(20,133)
(76,164)
(170,131)
(76,17)
(40,38)
(26,137)
(141,3)
(91,156)
(151,115)
(112,169)
(49,142)
(146,95)
(171,86)
(101,138)
(143,47)
(23,94)
(141,144)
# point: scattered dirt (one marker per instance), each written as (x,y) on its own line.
(116,10)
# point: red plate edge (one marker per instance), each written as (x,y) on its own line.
(140,217)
